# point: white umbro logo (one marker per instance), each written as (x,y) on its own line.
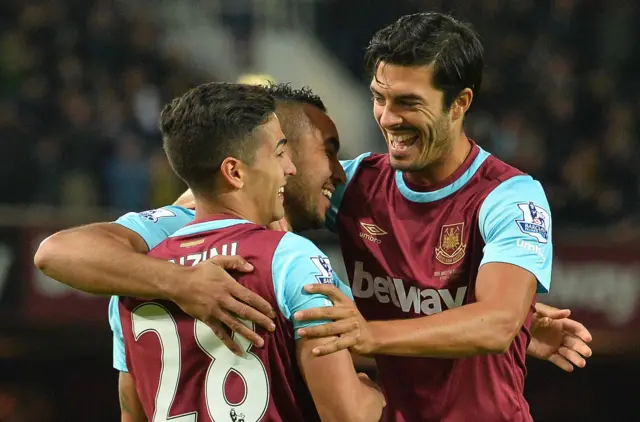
(371,232)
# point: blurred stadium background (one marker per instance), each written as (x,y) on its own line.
(82,83)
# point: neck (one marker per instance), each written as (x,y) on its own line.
(226,203)
(440,170)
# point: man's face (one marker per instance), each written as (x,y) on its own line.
(409,112)
(268,174)
(315,154)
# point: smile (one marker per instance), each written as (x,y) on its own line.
(402,142)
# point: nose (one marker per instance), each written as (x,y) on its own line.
(387,117)
(338,176)
(288,166)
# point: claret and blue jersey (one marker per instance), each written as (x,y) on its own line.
(412,251)
(154,340)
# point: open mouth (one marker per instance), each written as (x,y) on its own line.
(281,192)
(402,142)
(327,193)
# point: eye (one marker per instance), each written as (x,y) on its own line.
(377,99)
(280,154)
(407,103)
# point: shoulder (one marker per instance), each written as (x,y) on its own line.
(376,161)
(292,244)
(156,225)
(495,170)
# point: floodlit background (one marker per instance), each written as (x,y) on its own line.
(82,83)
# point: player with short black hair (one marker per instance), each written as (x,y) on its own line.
(238,175)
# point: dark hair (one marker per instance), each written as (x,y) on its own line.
(422,39)
(284,93)
(210,123)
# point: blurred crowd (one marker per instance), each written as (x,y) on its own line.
(82,86)
(81,89)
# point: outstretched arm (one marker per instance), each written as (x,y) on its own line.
(108,258)
(104,258)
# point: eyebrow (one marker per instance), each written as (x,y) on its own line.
(403,97)
(280,143)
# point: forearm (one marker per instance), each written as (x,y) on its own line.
(370,404)
(469,330)
(130,407)
(95,259)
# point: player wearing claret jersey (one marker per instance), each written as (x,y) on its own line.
(226,143)
(445,245)
(207,293)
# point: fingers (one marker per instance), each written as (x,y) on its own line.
(253,300)
(245,311)
(337,328)
(363,377)
(226,339)
(578,345)
(238,327)
(330,290)
(551,312)
(338,344)
(232,262)
(575,328)
(572,356)
(326,312)
(561,362)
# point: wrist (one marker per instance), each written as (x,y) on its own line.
(377,338)
(173,281)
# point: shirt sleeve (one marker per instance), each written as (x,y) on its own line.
(350,167)
(296,263)
(119,356)
(515,223)
(154,226)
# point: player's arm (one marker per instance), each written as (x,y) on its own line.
(105,258)
(130,406)
(514,264)
(186,200)
(298,262)
(339,393)
(108,258)
(516,261)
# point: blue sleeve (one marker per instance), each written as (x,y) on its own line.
(296,263)
(154,226)
(344,287)
(350,167)
(119,356)
(515,223)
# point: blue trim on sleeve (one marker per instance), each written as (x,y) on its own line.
(515,223)
(436,195)
(350,167)
(119,355)
(154,226)
(296,263)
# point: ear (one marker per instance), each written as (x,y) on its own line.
(461,104)
(233,173)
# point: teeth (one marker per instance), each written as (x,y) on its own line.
(402,141)
(327,193)
(402,138)
(281,190)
